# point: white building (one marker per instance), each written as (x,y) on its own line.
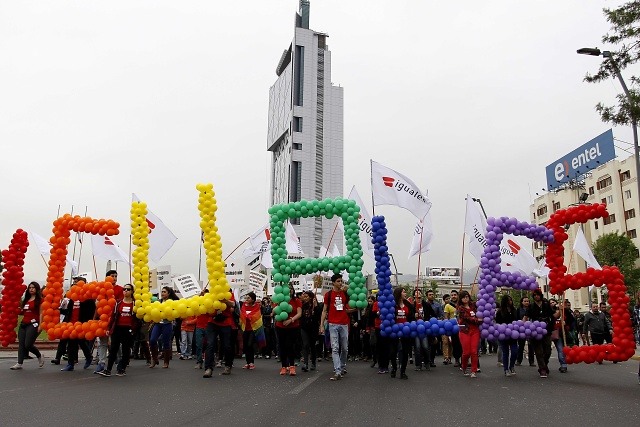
(305,132)
(613,183)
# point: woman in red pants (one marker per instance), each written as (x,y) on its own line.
(469,332)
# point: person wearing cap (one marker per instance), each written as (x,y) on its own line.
(541,311)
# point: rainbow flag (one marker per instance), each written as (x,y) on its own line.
(251,320)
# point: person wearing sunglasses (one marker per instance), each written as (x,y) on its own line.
(121,332)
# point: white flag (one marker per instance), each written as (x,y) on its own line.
(323,252)
(103,247)
(364,223)
(44,247)
(475,226)
(335,252)
(422,236)
(581,246)
(160,237)
(259,242)
(518,258)
(292,241)
(392,188)
(542,271)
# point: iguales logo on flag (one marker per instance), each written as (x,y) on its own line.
(388,181)
(107,241)
(151,225)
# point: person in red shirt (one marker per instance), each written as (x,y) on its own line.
(336,310)
(288,332)
(30,325)
(202,321)
(220,326)
(121,332)
(76,311)
(469,332)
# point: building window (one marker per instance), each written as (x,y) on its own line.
(298,78)
(631,213)
(556,206)
(297,146)
(632,234)
(591,191)
(609,200)
(625,175)
(595,224)
(604,183)
(542,210)
(297,124)
(604,201)
(627,194)
(609,220)
(296,181)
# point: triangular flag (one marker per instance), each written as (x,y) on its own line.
(422,236)
(103,247)
(581,246)
(364,224)
(160,237)
(474,226)
(44,247)
(292,242)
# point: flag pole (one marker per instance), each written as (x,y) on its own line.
(130,272)
(200,255)
(373,205)
(95,270)
(463,239)
(331,238)
(232,252)
(419,254)
(81,243)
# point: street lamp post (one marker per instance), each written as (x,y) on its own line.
(634,125)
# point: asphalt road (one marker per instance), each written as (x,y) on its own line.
(586,395)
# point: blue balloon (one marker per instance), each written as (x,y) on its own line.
(420,329)
(434,328)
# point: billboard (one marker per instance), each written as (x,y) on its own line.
(581,160)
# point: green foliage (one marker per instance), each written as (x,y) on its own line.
(624,37)
(617,249)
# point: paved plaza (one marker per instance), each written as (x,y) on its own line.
(586,395)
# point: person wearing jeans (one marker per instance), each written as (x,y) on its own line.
(220,325)
(28,331)
(187,331)
(506,315)
(336,311)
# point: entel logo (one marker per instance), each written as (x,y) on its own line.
(151,225)
(561,169)
(388,181)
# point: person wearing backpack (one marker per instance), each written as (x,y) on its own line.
(336,311)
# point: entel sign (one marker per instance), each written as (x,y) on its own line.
(581,160)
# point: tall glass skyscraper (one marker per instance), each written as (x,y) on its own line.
(305,132)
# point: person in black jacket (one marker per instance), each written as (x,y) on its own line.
(309,325)
(522,312)
(78,311)
(405,312)
(507,314)
(540,310)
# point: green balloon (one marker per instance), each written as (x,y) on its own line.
(361,304)
(362,296)
(277,278)
(283,305)
(277,310)
(286,298)
(288,308)
(278,288)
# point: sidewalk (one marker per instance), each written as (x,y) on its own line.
(47,348)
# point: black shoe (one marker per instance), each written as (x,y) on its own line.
(432,365)
(404,376)
(393,373)
(563,370)
(105,373)
(55,361)
(373,365)
(305,368)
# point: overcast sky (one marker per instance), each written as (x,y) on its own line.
(102,99)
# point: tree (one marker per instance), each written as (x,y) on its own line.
(624,36)
(617,249)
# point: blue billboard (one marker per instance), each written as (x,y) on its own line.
(581,160)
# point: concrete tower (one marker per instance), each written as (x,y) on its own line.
(305,132)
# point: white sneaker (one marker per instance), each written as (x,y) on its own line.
(473,375)
(16,367)
(40,362)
